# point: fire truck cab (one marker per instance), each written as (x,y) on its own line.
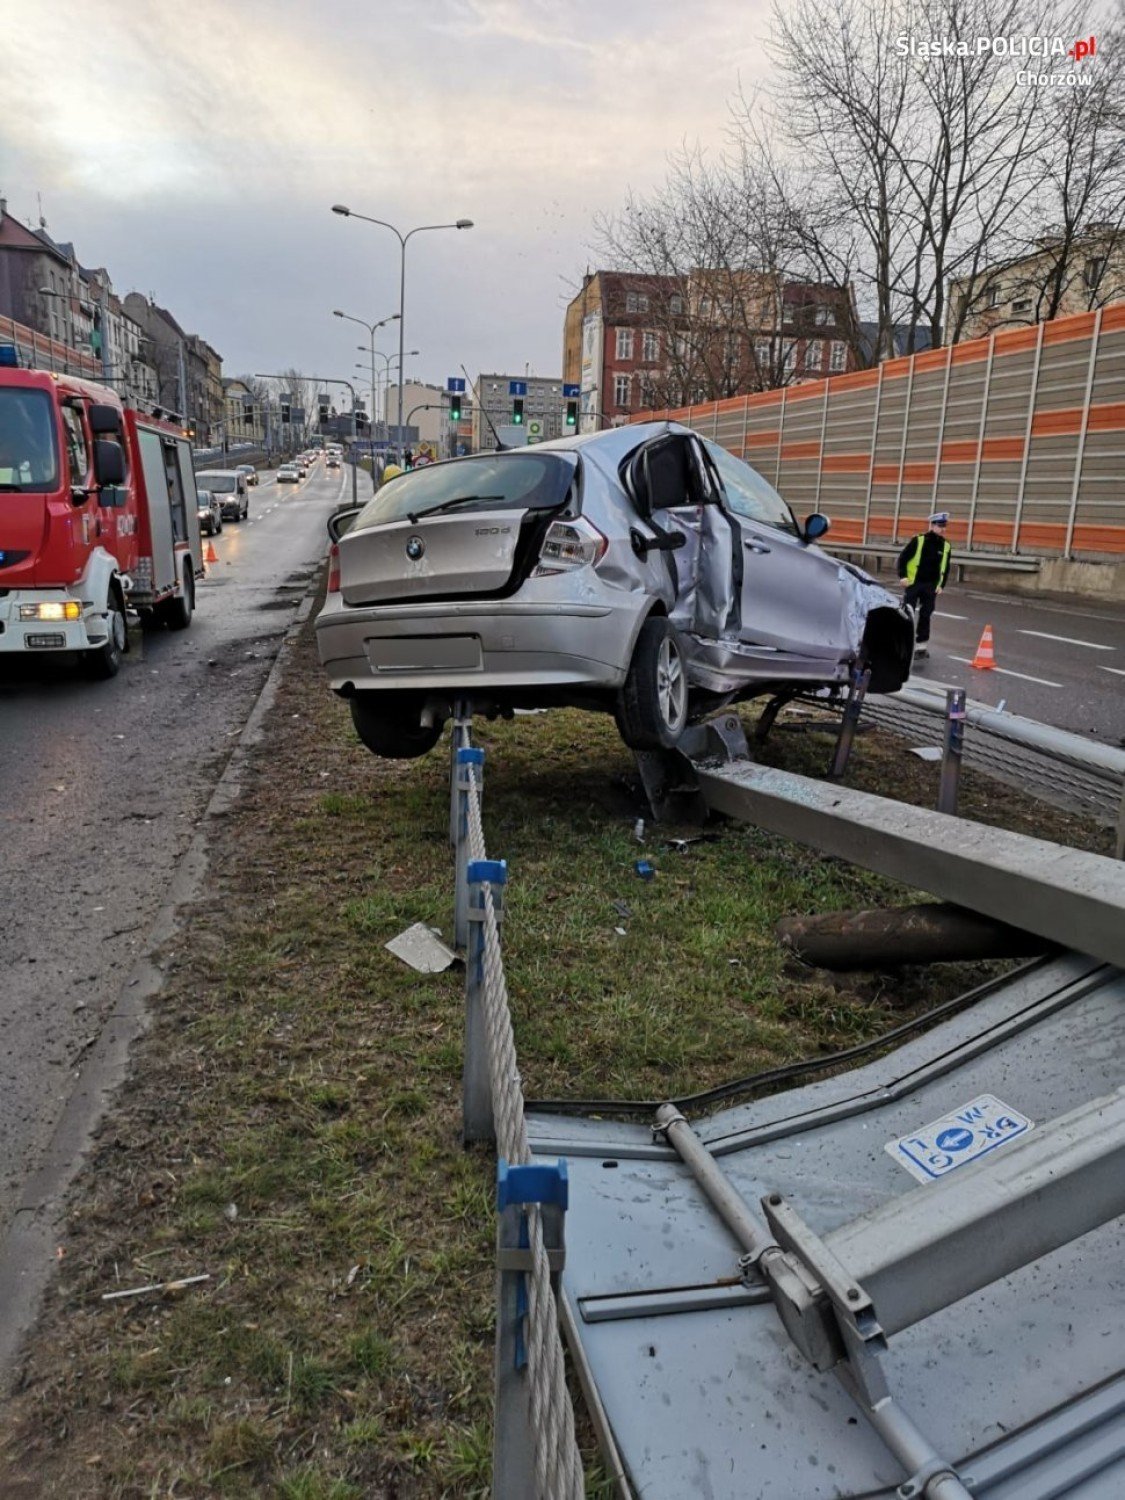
(97,515)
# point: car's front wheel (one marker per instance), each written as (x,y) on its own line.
(653,709)
(391,728)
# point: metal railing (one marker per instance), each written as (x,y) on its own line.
(534,1448)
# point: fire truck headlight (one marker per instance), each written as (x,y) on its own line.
(63,609)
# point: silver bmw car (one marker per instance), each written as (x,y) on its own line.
(644,571)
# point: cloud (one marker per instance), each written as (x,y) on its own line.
(205,143)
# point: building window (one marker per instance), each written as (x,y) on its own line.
(705,307)
(676,305)
(624,343)
(1022,306)
(622,386)
(636,302)
(823,315)
(839,357)
(650,348)
(814,358)
(994,296)
(762,353)
(1094,270)
(789,356)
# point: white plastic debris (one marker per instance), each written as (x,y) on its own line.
(421,949)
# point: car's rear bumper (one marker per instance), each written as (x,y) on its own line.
(495,644)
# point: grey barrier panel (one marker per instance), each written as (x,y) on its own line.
(699,1390)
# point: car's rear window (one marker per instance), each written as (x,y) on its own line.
(488,481)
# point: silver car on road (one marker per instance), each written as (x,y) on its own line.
(644,571)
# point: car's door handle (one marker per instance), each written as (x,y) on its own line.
(756,547)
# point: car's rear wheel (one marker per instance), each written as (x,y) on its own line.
(653,708)
(391,728)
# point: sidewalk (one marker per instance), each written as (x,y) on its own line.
(292,1128)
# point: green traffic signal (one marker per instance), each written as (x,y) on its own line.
(517,411)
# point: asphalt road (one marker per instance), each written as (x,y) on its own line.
(1057,660)
(101,787)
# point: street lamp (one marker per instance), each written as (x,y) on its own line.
(388,361)
(371,328)
(340,208)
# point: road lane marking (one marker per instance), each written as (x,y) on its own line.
(943,614)
(1007,672)
(1066,640)
(1117,671)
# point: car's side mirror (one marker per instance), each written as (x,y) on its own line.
(816,525)
(109,463)
(342,522)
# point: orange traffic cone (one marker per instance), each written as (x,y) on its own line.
(210,556)
(985,659)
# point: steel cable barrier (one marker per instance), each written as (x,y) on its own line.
(534,1446)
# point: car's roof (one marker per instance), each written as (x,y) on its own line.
(216,473)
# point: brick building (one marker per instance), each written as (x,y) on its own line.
(632,342)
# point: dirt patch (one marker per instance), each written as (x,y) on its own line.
(292,1126)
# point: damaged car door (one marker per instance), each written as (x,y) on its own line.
(790,597)
(684,535)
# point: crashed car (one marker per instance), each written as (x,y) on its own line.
(645,571)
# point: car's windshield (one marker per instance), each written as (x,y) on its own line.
(492,481)
(204,499)
(28,450)
(748,494)
(221,484)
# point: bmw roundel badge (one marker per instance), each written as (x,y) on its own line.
(415,548)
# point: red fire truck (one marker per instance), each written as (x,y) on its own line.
(97,514)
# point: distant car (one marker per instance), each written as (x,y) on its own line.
(210,512)
(250,471)
(288,474)
(230,486)
(645,571)
(332,462)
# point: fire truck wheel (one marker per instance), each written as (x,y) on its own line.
(105,661)
(178,611)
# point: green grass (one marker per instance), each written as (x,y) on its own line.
(292,1126)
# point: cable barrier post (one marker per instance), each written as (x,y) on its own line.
(517,1401)
(952,750)
(468,762)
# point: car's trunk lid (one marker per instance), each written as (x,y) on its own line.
(471,552)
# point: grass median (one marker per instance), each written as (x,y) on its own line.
(291,1129)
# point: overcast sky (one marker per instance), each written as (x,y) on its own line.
(195,147)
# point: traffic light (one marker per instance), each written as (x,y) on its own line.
(322,407)
(285,410)
(517,411)
(572,413)
(455,406)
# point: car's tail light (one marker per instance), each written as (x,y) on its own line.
(569,545)
(334,569)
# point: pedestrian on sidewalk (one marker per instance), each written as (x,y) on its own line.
(923,565)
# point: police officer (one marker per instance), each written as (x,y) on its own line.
(923,564)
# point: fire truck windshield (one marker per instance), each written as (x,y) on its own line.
(28,450)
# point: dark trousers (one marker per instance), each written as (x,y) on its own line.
(923,598)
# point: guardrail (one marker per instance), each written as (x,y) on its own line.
(1099,784)
(534,1448)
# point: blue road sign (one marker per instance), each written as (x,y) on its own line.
(571,392)
(455,383)
(517,387)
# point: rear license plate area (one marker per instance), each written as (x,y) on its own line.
(443,653)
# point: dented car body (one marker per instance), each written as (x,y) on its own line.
(644,570)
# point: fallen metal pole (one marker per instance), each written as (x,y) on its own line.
(852,710)
(1065,895)
(931,932)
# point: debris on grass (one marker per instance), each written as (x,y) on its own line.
(156,1286)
